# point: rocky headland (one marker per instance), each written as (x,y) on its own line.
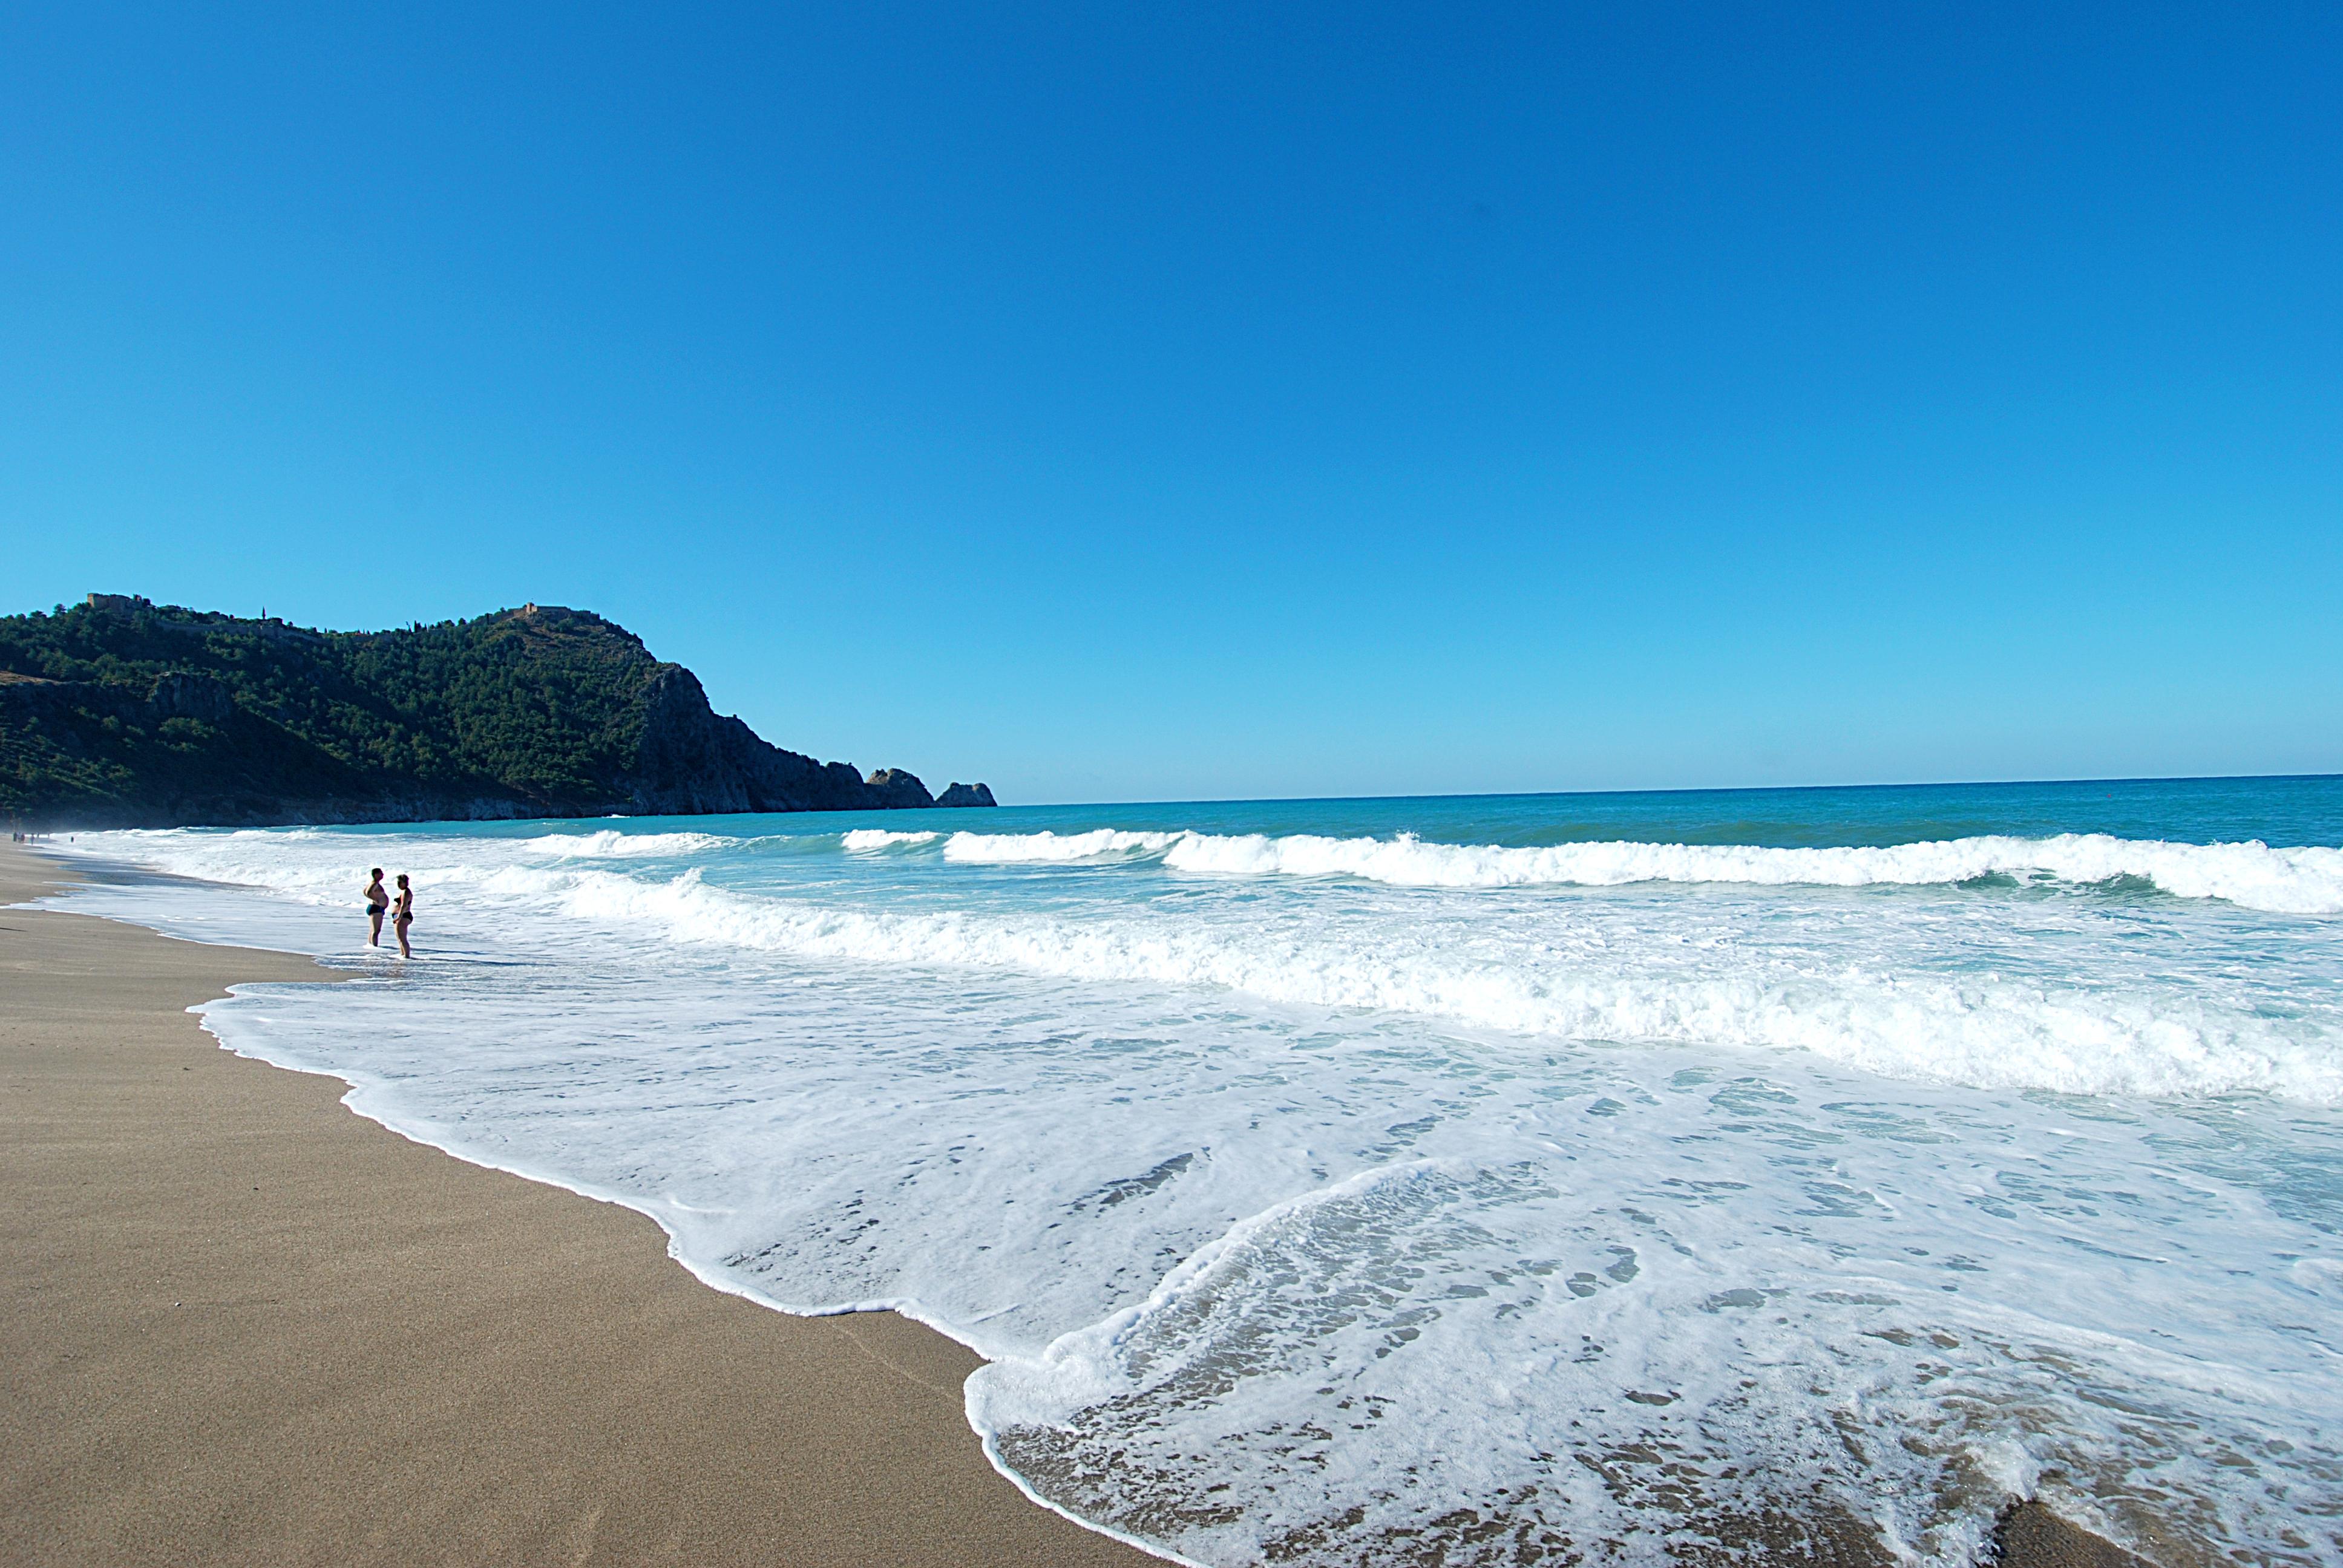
(118,712)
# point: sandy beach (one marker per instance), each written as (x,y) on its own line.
(249,1327)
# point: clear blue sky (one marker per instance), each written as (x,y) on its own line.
(1122,402)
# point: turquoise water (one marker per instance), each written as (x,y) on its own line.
(1463,1180)
(2286,812)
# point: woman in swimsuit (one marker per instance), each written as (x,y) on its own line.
(377,904)
(403,916)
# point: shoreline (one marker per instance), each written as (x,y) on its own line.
(901,1379)
(254,1326)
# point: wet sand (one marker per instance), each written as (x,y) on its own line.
(246,1326)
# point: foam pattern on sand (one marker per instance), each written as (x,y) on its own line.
(1316,1217)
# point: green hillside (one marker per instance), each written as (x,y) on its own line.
(123,712)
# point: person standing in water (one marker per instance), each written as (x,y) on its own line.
(378,903)
(403,916)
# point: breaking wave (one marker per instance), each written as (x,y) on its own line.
(2295,881)
(862,839)
(1102,844)
(1982,1031)
(607,845)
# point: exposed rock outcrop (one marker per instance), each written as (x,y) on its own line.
(692,760)
(960,794)
(181,694)
(891,787)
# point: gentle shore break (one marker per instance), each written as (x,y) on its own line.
(249,1327)
(254,1328)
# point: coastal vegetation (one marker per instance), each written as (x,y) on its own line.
(121,712)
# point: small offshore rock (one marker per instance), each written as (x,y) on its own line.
(892,786)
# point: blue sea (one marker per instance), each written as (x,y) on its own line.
(1468,1180)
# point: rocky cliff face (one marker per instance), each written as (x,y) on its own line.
(180,695)
(693,760)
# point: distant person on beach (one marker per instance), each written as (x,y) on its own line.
(378,903)
(403,916)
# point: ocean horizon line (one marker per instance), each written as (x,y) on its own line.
(1663,791)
